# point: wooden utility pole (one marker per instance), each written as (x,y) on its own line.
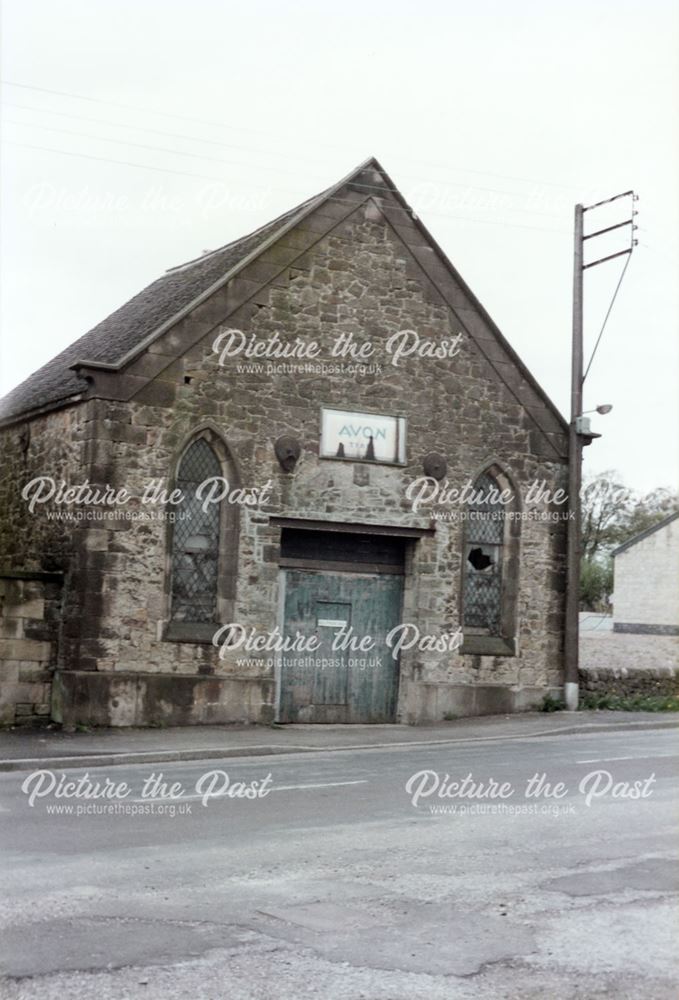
(574,474)
(579,433)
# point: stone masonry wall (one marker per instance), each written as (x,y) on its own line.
(630,682)
(55,446)
(36,557)
(30,606)
(361,279)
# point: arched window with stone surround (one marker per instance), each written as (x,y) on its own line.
(490,566)
(203,541)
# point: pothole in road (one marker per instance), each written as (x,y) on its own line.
(653,875)
(63,945)
(432,939)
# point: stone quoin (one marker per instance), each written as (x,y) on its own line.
(111,619)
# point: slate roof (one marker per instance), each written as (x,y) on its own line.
(113,341)
(110,340)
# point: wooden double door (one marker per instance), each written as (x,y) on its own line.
(338,681)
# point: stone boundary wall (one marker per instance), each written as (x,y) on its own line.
(30,605)
(662,682)
(638,629)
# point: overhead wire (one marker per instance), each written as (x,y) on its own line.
(608,313)
(183,173)
(227,125)
(285,155)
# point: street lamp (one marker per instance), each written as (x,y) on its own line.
(582,423)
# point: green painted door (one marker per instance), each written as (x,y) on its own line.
(338,682)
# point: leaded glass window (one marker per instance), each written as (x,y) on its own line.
(195,544)
(484,557)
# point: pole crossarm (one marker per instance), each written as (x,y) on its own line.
(607,201)
(609,229)
(611,256)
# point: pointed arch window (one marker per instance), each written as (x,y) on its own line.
(195,549)
(485,538)
(203,543)
(490,567)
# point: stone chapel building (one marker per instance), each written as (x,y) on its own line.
(271,437)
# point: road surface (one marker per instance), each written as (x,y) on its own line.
(347,875)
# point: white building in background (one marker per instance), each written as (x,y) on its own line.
(646,581)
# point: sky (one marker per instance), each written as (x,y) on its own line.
(136,135)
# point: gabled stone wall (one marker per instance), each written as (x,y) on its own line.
(361,276)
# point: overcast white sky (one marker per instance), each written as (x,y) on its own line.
(198,121)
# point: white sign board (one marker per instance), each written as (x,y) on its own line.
(362,436)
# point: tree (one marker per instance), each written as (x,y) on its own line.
(604,504)
(611,514)
(596,584)
(649,510)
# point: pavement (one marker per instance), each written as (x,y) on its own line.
(52,747)
(354,877)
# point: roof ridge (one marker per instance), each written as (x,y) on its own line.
(125,331)
(246,236)
(136,325)
(640,535)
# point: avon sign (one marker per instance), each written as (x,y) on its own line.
(362,436)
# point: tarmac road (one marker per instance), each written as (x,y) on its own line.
(329,882)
